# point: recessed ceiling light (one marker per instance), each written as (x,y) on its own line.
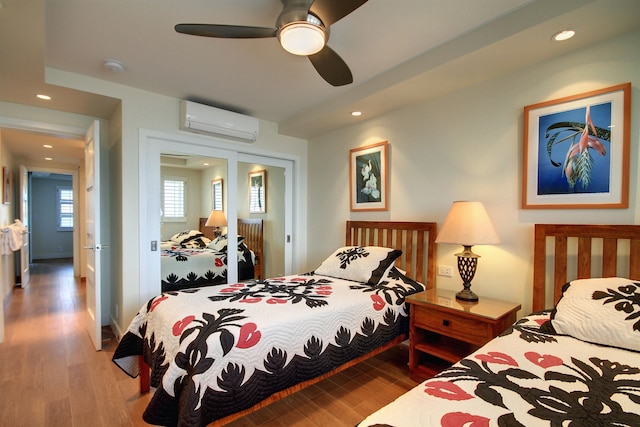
(356,113)
(47,146)
(113,66)
(563,35)
(48,158)
(43,96)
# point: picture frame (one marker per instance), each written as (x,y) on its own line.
(258,191)
(217,203)
(368,170)
(576,151)
(6,188)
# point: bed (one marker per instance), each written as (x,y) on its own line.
(575,364)
(196,258)
(220,352)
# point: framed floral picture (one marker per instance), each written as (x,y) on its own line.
(368,176)
(576,151)
(258,191)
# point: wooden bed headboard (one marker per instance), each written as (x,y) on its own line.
(576,250)
(253,233)
(417,240)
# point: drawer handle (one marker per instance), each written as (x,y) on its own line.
(445,322)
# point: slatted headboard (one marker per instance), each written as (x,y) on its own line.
(417,240)
(576,250)
(253,233)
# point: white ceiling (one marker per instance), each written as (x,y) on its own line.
(400,52)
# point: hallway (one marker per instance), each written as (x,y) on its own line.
(50,374)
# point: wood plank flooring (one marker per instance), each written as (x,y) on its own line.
(50,375)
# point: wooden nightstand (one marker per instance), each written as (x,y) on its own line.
(443,330)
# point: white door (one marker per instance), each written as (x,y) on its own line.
(93,244)
(25,275)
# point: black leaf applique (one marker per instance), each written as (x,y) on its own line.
(626,299)
(350,255)
(312,292)
(595,403)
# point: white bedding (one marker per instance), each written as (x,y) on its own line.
(217,350)
(526,378)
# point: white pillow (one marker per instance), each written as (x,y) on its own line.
(220,243)
(366,264)
(602,311)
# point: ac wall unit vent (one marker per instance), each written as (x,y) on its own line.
(204,119)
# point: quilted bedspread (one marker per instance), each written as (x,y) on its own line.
(184,268)
(526,378)
(217,350)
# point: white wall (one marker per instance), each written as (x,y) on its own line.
(468,146)
(142,111)
(193,198)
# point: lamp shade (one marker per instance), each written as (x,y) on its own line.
(216,219)
(468,224)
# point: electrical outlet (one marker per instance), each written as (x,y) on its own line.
(445,270)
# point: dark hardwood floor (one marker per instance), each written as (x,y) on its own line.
(50,374)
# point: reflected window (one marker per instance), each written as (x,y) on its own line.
(173,199)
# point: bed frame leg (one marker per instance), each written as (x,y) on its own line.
(144,375)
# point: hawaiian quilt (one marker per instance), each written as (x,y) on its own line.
(185,268)
(535,375)
(216,350)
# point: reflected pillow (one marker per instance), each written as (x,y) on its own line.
(365,264)
(190,239)
(601,311)
(219,244)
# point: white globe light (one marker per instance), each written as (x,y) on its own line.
(302,38)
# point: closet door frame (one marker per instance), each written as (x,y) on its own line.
(152,144)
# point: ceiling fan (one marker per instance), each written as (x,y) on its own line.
(302,29)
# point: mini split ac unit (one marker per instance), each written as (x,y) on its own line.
(201,118)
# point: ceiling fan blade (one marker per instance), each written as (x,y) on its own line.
(331,67)
(330,11)
(226,31)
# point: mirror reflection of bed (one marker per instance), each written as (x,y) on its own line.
(198,173)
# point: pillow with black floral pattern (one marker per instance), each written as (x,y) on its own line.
(220,243)
(200,242)
(602,311)
(365,264)
(396,286)
(190,239)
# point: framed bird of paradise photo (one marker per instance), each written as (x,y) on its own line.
(576,151)
(369,179)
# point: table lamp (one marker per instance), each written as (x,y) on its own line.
(216,219)
(467,224)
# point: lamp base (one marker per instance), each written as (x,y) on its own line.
(467,295)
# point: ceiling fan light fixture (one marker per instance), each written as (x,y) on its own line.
(302,38)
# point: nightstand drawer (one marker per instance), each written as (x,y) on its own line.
(452,325)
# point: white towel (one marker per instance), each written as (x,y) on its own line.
(12,237)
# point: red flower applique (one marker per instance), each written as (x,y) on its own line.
(249,335)
(543,360)
(251,300)
(324,290)
(497,357)
(219,262)
(461,419)
(180,325)
(378,302)
(157,301)
(446,390)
